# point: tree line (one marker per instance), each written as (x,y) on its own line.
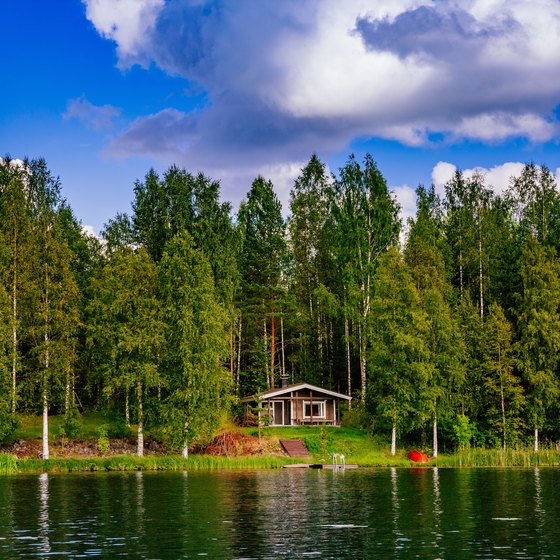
(183,306)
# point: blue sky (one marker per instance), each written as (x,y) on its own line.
(106,89)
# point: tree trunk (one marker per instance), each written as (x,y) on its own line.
(46,372)
(140,449)
(231,359)
(185,451)
(536,440)
(435,437)
(282,342)
(272,348)
(126,409)
(348,367)
(394,440)
(14,341)
(480,277)
(237,373)
(504,426)
(361,337)
(265,348)
(45,424)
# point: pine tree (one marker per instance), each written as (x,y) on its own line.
(310,236)
(262,264)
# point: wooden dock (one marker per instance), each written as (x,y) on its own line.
(319,466)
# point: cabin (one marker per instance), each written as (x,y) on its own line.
(298,405)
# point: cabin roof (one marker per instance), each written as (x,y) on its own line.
(271,393)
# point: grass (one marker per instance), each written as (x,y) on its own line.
(31,427)
(515,457)
(9,464)
(358,447)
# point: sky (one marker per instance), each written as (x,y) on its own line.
(104,90)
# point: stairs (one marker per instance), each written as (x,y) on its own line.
(294,447)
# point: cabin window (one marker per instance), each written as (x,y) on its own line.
(315,407)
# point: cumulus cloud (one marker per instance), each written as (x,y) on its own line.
(127,22)
(497,178)
(98,117)
(287,78)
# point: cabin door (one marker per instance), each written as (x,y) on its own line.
(278,413)
(287,413)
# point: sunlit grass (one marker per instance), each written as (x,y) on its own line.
(10,464)
(518,457)
(31,427)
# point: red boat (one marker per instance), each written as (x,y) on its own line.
(418,456)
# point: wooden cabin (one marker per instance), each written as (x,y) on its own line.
(298,405)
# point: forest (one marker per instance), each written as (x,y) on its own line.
(444,330)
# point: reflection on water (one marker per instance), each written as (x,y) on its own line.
(382,513)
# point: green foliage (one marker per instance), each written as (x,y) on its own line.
(72,425)
(463,431)
(103,443)
(196,340)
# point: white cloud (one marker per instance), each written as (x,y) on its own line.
(284,79)
(442,173)
(497,178)
(498,126)
(127,22)
(90,231)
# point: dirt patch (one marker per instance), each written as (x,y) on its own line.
(235,444)
(229,444)
(78,448)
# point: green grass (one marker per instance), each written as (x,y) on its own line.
(357,446)
(500,458)
(11,465)
(31,427)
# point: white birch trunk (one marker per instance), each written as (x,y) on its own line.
(140,448)
(45,424)
(46,372)
(348,366)
(126,409)
(185,451)
(14,325)
(362,362)
(394,440)
(536,440)
(435,437)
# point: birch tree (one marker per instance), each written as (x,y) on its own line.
(538,347)
(367,224)
(196,342)
(125,320)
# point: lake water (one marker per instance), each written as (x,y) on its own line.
(382,513)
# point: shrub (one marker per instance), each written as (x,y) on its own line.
(103,443)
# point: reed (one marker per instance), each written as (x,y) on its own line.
(515,457)
(8,463)
(148,463)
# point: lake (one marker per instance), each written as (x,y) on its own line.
(364,513)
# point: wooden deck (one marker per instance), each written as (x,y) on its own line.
(318,466)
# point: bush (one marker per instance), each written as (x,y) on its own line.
(103,443)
